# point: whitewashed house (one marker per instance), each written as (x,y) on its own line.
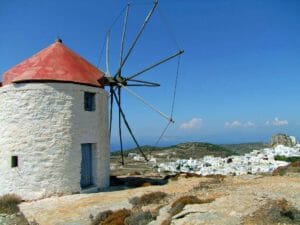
(53,126)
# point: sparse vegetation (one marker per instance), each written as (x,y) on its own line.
(117,218)
(243,148)
(139,218)
(291,168)
(218,178)
(146,199)
(122,217)
(166,221)
(145,149)
(178,205)
(211,183)
(274,212)
(100,217)
(172,177)
(9,204)
(184,150)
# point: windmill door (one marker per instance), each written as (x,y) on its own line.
(86,165)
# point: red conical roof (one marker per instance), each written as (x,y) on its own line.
(55,63)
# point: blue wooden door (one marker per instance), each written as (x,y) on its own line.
(86,165)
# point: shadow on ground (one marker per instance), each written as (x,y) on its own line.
(135,181)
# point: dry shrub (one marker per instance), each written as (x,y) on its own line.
(9,204)
(184,175)
(146,199)
(153,198)
(293,167)
(155,211)
(146,184)
(166,222)
(178,205)
(217,177)
(100,217)
(295,164)
(207,184)
(274,212)
(188,175)
(117,218)
(139,218)
(280,171)
(135,201)
(172,177)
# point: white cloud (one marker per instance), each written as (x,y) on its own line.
(193,124)
(238,123)
(235,123)
(249,124)
(276,122)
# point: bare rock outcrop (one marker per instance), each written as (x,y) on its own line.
(282,139)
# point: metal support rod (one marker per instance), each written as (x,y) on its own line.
(141,85)
(145,82)
(155,65)
(128,127)
(147,103)
(137,36)
(123,36)
(107,54)
(111,110)
(120,130)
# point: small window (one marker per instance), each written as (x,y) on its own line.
(14,161)
(89,101)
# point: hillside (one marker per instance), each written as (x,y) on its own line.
(241,149)
(182,151)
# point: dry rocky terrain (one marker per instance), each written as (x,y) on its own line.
(139,195)
(248,199)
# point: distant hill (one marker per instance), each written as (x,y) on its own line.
(241,149)
(182,151)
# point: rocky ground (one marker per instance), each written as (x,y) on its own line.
(248,199)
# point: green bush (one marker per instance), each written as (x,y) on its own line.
(9,204)
(287,159)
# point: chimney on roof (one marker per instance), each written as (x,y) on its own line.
(58,40)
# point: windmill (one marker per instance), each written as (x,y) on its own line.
(118,81)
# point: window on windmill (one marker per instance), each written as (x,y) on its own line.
(14,161)
(89,101)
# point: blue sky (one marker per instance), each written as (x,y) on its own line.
(239,76)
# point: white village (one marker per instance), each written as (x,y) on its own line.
(255,162)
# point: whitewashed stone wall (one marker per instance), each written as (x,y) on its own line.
(44,124)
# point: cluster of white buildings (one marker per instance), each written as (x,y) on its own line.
(257,161)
